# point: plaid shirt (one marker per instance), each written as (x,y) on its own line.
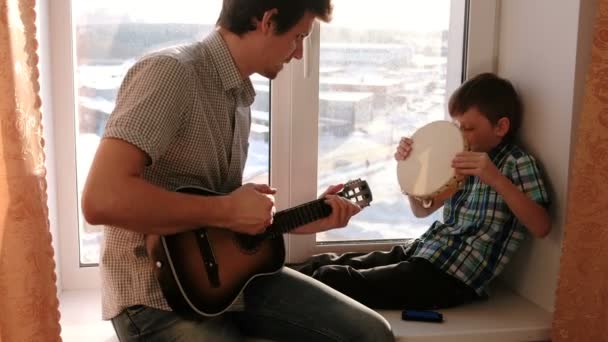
(479,233)
(188,109)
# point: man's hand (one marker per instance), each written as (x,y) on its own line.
(251,208)
(342,210)
(477,164)
(403,149)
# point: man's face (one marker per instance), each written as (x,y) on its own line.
(478,131)
(280,49)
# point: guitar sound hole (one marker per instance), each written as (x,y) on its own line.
(248,243)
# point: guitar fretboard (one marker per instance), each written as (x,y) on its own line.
(289,219)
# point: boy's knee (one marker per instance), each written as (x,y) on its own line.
(329,274)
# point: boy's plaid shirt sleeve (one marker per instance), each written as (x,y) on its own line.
(526,175)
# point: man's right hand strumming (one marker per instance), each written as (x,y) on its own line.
(251,208)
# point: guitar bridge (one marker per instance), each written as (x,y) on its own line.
(206,250)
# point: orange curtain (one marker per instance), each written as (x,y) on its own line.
(581,312)
(28,296)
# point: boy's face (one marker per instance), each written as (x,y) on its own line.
(479,132)
(280,49)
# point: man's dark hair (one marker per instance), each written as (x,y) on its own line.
(493,96)
(237,16)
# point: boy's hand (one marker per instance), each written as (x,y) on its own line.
(477,164)
(403,149)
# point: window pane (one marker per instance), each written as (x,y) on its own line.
(109,36)
(381,77)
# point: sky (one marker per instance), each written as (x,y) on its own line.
(420,15)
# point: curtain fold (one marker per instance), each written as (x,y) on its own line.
(581,310)
(28,296)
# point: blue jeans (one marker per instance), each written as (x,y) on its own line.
(286,306)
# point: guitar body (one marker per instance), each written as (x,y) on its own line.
(184,278)
(201,272)
(192,290)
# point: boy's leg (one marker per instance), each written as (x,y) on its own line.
(357,260)
(413,284)
(141,323)
(289,306)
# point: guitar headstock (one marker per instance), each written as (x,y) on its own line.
(357,191)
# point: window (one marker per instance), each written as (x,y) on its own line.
(381,77)
(371,76)
(109,36)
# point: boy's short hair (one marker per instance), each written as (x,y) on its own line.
(237,15)
(493,96)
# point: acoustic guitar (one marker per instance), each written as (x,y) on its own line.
(202,272)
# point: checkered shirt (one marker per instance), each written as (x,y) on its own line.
(479,233)
(187,108)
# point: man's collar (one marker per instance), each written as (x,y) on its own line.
(223,61)
(228,71)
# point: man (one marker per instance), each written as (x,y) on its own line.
(182,117)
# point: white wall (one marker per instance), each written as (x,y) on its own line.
(540,52)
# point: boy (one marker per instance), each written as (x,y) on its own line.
(484,223)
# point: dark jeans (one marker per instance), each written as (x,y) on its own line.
(389,280)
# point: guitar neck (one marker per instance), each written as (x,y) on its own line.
(289,219)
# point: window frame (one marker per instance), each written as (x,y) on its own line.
(293,154)
(63,107)
(473,53)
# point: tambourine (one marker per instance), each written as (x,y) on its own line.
(427,172)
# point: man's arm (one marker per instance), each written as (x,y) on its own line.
(115,194)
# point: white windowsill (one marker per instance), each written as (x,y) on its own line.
(505,317)
(81,317)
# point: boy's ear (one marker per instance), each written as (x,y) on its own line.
(266,25)
(502,126)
